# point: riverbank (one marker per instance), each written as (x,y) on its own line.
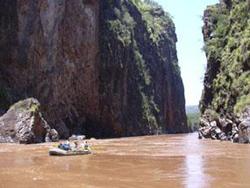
(151,161)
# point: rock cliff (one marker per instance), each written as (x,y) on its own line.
(103,68)
(227,46)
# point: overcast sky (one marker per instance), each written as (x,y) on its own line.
(187,16)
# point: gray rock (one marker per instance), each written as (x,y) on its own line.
(213,124)
(226,125)
(236,138)
(222,136)
(205,132)
(24,123)
(213,135)
(235,131)
(47,137)
(244,131)
(52,136)
(244,126)
(204,122)
(218,131)
(6,139)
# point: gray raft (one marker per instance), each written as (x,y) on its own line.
(60,152)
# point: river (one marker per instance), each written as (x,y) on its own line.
(141,162)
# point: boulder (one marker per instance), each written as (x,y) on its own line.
(235,130)
(244,126)
(213,124)
(52,136)
(222,136)
(226,125)
(23,123)
(244,131)
(213,135)
(236,138)
(205,132)
(204,122)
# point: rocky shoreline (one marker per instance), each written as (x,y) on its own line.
(227,127)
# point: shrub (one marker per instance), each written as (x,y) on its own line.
(243,102)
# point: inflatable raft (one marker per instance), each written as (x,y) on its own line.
(61,152)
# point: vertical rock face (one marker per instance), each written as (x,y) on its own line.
(227,45)
(139,68)
(227,79)
(51,53)
(97,67)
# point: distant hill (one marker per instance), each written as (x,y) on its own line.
(193,115)
(192,109)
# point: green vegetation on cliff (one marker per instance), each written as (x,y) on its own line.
(138,42)
(103,68)
(227,46)
(123,27)
(156,19)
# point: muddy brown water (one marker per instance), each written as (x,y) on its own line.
(152,161)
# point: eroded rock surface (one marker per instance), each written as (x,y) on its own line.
(24,123)
(90,77)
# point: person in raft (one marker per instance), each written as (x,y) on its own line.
(65,146)
(76,145)
(86,146)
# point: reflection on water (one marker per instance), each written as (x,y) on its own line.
(194,171)
(195,175)
(141,162)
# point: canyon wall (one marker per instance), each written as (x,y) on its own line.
(225,103)
(227,45)
(102,68)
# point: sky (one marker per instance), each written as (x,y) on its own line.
(187,16)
